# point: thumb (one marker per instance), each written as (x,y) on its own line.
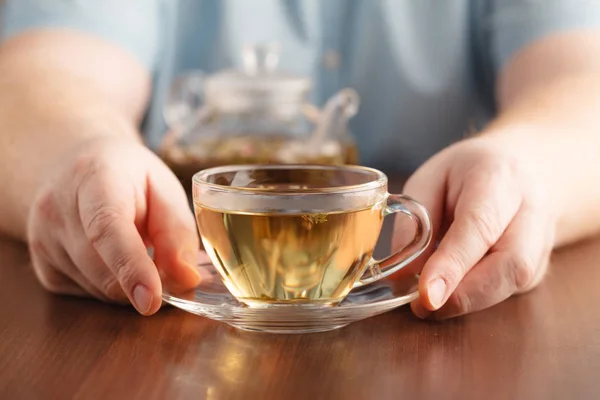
(172,231)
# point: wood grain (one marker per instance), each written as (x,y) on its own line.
(544,345)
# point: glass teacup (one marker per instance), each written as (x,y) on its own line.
(300,234)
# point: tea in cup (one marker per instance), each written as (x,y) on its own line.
(300,234)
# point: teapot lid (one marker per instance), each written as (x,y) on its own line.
(259,81)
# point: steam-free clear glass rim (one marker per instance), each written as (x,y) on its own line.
(379,179)
(211,299)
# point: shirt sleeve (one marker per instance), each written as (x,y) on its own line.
(513,24)
(134,25)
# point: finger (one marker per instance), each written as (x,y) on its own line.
(204,268)
(65,265)
(107,215)
(516,264)
(172,230)
(46,246)
(82,260)
(427,186)
(89,264)
(419,310)
(484,209)
(53,280)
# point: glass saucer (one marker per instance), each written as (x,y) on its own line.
(211,299)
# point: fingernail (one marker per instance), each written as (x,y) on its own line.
(436,291)
(142,299)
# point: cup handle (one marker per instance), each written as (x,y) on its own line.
(378,269)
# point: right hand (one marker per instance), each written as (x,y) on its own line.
(96,214)
(495,224)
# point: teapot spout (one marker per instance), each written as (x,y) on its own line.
(335,116)
(349,101)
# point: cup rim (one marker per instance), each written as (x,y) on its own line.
(200,179)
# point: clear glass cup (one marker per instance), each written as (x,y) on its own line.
(300,235)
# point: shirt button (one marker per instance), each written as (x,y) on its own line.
(332,59)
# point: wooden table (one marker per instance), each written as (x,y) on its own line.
(544,345)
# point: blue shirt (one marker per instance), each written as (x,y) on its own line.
(425,69)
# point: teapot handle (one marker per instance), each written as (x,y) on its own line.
(183,105)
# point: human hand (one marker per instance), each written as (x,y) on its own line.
(94,217)
(496,226)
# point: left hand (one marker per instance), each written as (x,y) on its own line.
(495,222)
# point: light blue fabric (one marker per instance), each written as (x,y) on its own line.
(424,69)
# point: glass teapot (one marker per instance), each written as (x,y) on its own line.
(256,115)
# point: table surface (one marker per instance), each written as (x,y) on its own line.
(542,345)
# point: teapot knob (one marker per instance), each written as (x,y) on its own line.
(261,58)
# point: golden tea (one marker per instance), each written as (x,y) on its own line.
(267,258)
(300,235)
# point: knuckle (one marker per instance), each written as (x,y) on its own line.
(454,257)
(46,202)
(85,165)
(505,168)
(99,223)
(36,248)
(89,171)
(485,225)
(125,271)
(497,167)
(46,207)
(521,271)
